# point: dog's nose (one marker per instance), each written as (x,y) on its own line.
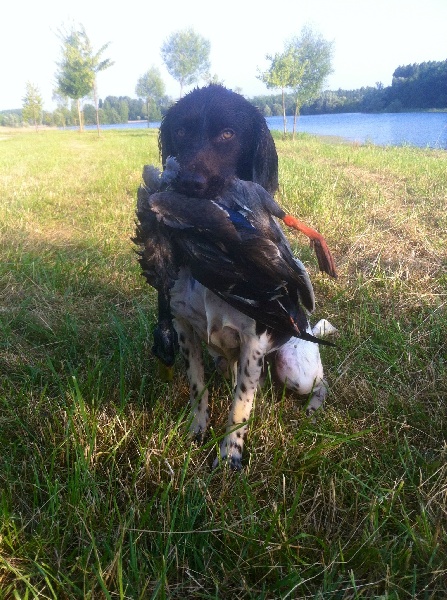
(191,183)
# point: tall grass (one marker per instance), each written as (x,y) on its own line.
(102,495)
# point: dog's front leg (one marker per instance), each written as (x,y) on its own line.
(253,350)
(191,348)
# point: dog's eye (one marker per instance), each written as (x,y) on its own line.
(180,132)
(227,134)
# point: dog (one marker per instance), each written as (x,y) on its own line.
(215,134)
(217,138)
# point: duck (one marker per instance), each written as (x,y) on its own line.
(233,245)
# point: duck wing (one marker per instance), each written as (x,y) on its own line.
(227,254)
(262,207)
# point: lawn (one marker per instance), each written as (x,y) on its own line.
(102,494)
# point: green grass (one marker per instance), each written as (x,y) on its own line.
(102,495)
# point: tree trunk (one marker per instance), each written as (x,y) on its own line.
(35,118)
(95,97)
(284,112)
(294,120)
(78,101)
(147,111)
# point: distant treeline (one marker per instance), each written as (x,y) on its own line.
(414,87)
(111,110)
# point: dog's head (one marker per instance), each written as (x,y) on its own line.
(216,134)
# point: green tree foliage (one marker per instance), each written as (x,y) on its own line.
(186,56)
(89,114)
(215,80)
(76,77)
(279,75)
(312,64)
(121,109)
(32,110)
(96,64)
(365,99)
(61,117)
(415,87)
(11,118)
(151,88)
(62,114)
(420,85)
(302,68)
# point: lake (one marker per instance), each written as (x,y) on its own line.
(385,129)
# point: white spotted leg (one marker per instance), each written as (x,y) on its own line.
(253,350)
(191,349)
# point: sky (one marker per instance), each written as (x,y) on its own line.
(371,38)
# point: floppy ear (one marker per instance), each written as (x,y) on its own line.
(165,145)
(265,159)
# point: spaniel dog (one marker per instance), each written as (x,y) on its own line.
(224,271)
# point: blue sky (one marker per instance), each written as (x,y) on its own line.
(371,38)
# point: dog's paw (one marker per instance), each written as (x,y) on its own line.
(230,454)
(234,463)
(199,424)
(199,437)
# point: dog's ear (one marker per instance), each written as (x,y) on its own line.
(265,159)
(165,145)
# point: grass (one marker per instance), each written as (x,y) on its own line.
(102,495)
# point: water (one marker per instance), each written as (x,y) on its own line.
(388,129)
(426,130)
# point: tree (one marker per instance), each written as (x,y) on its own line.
(96,65)
(311,65)
(214,79)
(32,105)
(123,111)
(89,114)
(279,76)
(62,114)
(186,56)
(150,87)
(420,86)
(76,77)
